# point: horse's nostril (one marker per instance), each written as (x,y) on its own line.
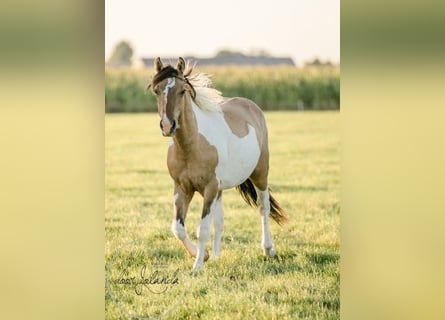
(168,127)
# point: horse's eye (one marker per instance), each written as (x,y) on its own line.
(182,92)
(156,91)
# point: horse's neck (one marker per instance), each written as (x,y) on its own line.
(187,134)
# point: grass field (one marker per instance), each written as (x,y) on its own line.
(302,283)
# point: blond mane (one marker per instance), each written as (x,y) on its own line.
(207,98)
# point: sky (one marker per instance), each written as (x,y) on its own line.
(300,29)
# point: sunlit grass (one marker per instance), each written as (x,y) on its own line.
(304,176)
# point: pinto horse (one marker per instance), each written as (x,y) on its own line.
(217,143)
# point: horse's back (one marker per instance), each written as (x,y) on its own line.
(240,112)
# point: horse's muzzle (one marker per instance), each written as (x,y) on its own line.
(168,128)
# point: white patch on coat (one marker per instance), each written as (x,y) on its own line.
(175,198)
(237,157)
(165,118)
(203,233)
(170,84)
(203,229)
(178,230)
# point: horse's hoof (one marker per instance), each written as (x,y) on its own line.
(270,252)
(206,255)
(215,256)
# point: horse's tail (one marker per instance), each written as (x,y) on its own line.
(248,192)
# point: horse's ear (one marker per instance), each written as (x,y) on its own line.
(158,64)
(180,65)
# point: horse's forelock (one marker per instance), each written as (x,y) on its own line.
(207,98)
(166,72)
(170,72)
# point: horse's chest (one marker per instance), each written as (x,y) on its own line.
(192,171)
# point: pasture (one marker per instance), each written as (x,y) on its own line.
(302,283)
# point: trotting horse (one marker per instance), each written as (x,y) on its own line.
(216,144)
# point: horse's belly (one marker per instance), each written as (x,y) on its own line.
(237,159)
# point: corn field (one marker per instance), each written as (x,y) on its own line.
(272,88)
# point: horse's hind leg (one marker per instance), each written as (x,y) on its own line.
(218,224)
(259,179)
(264,207)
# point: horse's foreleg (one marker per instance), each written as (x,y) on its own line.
(181,203)
(203,232)
(264,207)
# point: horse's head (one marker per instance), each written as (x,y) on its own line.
(170,86)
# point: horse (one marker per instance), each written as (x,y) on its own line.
(216,143)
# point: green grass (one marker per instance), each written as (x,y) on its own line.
(304,176)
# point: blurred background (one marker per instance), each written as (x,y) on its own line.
(52,125)
(282,56)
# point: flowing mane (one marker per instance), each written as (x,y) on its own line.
(207,98)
